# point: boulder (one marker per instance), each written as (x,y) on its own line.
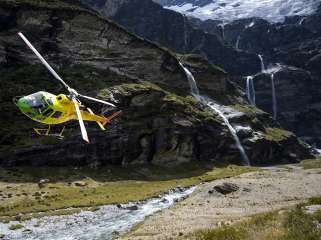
(226,188)
(132,208)
(80,184)
(42,183)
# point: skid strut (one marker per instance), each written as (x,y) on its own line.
(46,132)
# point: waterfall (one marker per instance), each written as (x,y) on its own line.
(253,92)
(238,42)
(250,90)
(191,81)
(262,62)
(274,97)
(214,107)
(223,30)
(272,71)
(232,131)
(302,20)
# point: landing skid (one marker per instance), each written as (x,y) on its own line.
(46,132)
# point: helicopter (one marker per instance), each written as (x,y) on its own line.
(50,109)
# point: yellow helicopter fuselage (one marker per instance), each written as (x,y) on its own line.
(50,109)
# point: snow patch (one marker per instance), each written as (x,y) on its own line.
(230,10)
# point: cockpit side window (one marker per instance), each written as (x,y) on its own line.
(48,112)
(49,100)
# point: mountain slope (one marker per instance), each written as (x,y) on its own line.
(173,30)
(161,123)
(295,44)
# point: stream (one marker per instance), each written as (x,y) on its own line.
(106,223)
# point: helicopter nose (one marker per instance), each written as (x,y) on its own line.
(15,100)
(21,102)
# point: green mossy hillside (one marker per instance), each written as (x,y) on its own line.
(277,134)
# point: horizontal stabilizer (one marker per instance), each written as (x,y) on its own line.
(99,123)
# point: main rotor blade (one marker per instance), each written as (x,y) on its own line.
(81,121)
(43,60)
(97,100)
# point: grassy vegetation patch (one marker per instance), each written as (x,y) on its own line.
(315,201)
(277,134)
(290,224)
(165,102)
(311,163)
(247,109)
(20,191)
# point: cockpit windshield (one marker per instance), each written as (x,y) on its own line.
(37,102)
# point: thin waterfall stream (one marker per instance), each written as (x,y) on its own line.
(250,90)
(272,71)
(274,101)
(210,103)
(262,62)
(238,42)
(222,25)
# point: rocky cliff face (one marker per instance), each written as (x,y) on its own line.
(161,123)
(173,30)
(294,43)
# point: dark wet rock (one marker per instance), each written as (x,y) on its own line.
(164,200)
(116,233)
(244,132)
(132,208)
(18,217)
(179,189)
(226,188)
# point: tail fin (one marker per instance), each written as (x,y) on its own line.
(111,117)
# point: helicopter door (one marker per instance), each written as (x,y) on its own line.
(48,112)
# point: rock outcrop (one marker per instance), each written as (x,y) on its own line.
(161,124)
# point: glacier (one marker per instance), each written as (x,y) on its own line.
(230,10)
